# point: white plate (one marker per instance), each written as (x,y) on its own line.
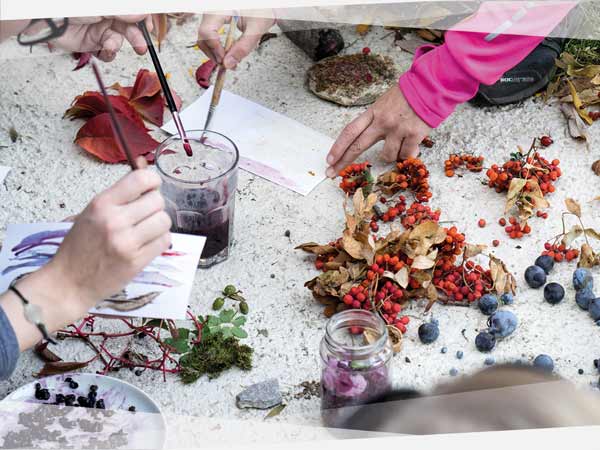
(146,428)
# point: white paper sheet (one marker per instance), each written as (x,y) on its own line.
(3,172)
(171,275)
(271,145)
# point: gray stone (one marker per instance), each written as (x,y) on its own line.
(262,395)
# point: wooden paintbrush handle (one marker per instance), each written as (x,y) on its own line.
(216,97)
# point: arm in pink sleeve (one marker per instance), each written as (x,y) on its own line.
(477,51)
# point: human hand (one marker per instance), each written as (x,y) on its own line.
(390,118)
(252,28)
(117,235)
(104,35)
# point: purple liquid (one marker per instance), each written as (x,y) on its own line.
(217,238)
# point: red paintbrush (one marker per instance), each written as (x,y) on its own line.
(113,119)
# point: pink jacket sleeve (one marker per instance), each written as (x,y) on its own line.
(477,51)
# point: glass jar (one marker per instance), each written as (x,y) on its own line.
(356,353)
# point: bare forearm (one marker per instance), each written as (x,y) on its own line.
(10,28)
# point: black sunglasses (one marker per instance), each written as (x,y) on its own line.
(52,31)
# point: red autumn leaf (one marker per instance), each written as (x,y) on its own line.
(97,137)
(83,60)
(145,96)
(204,72)
(91,104)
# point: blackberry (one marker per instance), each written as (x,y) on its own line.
(91,398)
(545,262)
(73,384)
(554,293)
(82,401)
(544,362)
(68,379)
(60,398)
(535,277)
(93,388)
(100,404)
(485,341)
(488,304)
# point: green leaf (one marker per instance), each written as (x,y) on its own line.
(157,323)
(180,345)
(213,321)
(227,332)
(227,315)
(239,333)
(239,321)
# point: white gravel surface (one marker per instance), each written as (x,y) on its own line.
(52,179)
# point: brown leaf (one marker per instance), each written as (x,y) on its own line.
(578,104)
(363,29)
(316,249)
(514,192)
(587,257)
(329,311)
(572,234)
(161,27)
(472,250)
(422,263)
(596,167)
(423,237)
(400,277)
(573,207)
(504,281)
(576,126)
(58,367)
(41,349)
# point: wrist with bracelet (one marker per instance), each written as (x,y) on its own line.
(33,312)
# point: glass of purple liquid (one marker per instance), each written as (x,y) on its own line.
(199,190)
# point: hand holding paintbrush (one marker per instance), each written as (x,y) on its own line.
(218,88)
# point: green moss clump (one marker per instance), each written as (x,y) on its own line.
(212,356)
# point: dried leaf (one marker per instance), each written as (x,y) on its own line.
(576,126)
(41,349)
(363,29)
(422,263)
(504,281)
(587,257)
(422,238)
(590,232)
(573,207)
(97,137)
(578,104)
(130,304)
(590,71)
(275,411)
(204,72)
(596,167)
(316,249)
(573,234)
(161,27)
(514,192)
(472,250)
(395,336)
(58,367)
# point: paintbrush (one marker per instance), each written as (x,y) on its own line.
(113,120)
(165,88)
(216,96)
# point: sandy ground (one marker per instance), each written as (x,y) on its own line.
(48,170)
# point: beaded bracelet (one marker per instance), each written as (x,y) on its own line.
(33,314)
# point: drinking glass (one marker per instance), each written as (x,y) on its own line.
(199,190)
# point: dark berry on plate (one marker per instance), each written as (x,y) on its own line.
(580,371)
(453,372)
(131,408)
(44,394)
(582,279)
(60,398)
(545,262)
(507,299)
(444,350)
(544,362)
(535,276)
(82,401)
(584,297)
(91,398)
(594,309)
(485,341)
(68,379)
(93,388)
(488,304)
(73,385)
(38,386)
(554,293)
(502,323)
(459,354)
(100,404)
(428,332)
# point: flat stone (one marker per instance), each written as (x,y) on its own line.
(262,395)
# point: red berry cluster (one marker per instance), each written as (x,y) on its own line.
(419,213)
(455,161)
(516,230)
(463,283)
(451,248)
(531,167)
(355,176)
(560,252)
(410,174)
